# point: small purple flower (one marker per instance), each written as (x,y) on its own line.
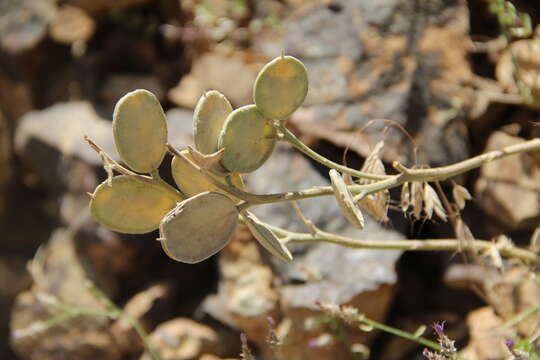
(439,328)
(426,353)
(271,322)
(509,344)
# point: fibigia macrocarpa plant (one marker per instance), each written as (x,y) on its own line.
(197,219)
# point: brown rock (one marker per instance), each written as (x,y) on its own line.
(247,294)
(520,62)
(71,24)
(486,339)
(217,71)
(184,339)
(138,308)
(508,188)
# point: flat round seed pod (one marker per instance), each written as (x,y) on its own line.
(131,206)
(140,130)
(208,119)
(198,227)
(345,200)
(248,139)
(280,87)
(191,182)
(266,237)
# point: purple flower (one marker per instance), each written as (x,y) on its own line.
(439,328)
(509,344)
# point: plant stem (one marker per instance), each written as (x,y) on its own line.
(351,316)
(407,245)
(521,316)
(392,181)
(119,313)
(289,137)
(401,333)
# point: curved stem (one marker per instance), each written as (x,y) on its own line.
(289,137)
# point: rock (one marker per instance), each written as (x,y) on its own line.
(23,23)
(216,71)
(118,85)
(486,337)
(184,339)
(512,293)
(508,188)
(59,280)
(63,127)
(139,307)
(180,127)
(520,62)
(246,294)
(377,70)
(71,24)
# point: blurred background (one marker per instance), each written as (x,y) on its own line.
(441,69)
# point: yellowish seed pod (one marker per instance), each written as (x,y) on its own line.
(191,182)
(345,200)
(208,119)
(131,206)
(140,130)
(281,87)
(248,139)
(266,237)
(198,227)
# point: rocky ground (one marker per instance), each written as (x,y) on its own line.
(440,70)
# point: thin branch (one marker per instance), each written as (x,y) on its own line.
(113,165)
(289,137)
(407,245)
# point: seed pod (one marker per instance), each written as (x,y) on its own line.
(266,237)
(280,87)
(191,182)
(131,206)
(345,200)
(248,139)
(198,227)
(140,130)
(460,195)
(208,119)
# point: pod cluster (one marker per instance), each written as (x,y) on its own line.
(198,220)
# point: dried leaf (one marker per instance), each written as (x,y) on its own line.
(266,237)
(375,204)
(417,199)
(405,202)
(345,200)
(460,195)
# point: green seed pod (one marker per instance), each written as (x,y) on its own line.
(280,87)
(266,237)
(140,130)
(131,206)
(198,227)
(345,200)
(210,114)
(248,139)
(191,182)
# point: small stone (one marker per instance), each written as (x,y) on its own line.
(71,24)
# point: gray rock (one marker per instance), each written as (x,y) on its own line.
(320,33)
